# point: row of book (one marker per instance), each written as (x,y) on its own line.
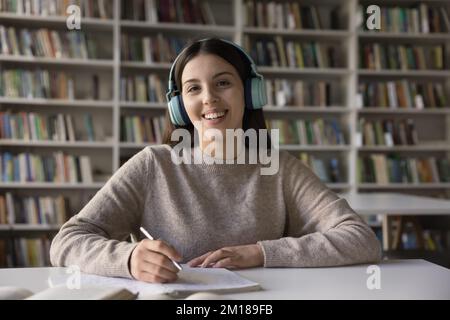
(37,84)
(102,9)
(173,11)
(388,132)
(150,49)
(321,132)
(48,84)
(402,94)
(47,43)
(284,92)
(57,167)
(288,15)
(279,52)
(328,170)
(19,252)
(384,169)
(42,127)
(433,240)
(408,240)
(420,18)
(140,129)
(377,56)
(142,88)
(33,209)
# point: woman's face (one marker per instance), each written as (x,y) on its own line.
(213,93)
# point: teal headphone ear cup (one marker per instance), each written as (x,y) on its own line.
(258,93)
(177,113)
(171,112)
(255,93)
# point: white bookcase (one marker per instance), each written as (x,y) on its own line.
(433,125)
(106,154)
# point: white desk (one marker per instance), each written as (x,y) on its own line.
(394,204)
(400,279)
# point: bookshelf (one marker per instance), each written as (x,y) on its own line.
(118,78)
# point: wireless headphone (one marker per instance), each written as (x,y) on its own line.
(254,90)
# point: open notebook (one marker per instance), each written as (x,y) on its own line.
(190,280)
(62,292)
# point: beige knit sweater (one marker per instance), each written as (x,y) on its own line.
(196,208)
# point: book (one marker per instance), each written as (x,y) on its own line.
(190,281)
(63,292)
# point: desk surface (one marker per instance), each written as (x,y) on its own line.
(395,203)
(400,279)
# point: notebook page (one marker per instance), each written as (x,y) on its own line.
(189,280)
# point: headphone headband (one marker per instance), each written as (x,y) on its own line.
(172,85)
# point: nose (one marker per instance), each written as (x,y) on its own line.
(210,96)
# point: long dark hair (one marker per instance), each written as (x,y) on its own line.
(253,119)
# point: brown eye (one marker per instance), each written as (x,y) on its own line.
(223,83)
(190,89)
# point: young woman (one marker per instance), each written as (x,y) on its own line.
(210,214)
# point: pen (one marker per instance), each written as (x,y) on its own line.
(151,238)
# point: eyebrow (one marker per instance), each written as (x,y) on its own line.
(215,76)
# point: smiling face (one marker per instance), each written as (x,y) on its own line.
(213,94)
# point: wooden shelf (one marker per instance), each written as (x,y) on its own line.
(405,73)
(87,63)
(387,110)
(134,145)
(143,105)
(56,102)
(56,21)
(337,35)
(323,72)
(57,144)
(20,227)
(418,148)
(181,27)
(306,109)
(145,66)
(400,186)
(416,37)
(292,147)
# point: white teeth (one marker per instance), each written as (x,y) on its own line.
(212,116)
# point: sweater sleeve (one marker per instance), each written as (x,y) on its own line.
(321,228)
(95,238)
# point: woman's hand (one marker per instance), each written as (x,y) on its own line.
(246,256)
(150,261)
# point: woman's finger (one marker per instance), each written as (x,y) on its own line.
(199,260)
(152,278)
(159,271)
(225,263)
(216,256)
(162,247)
(160,260)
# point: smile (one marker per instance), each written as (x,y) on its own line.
(215,117)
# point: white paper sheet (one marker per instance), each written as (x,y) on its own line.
(190,280)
